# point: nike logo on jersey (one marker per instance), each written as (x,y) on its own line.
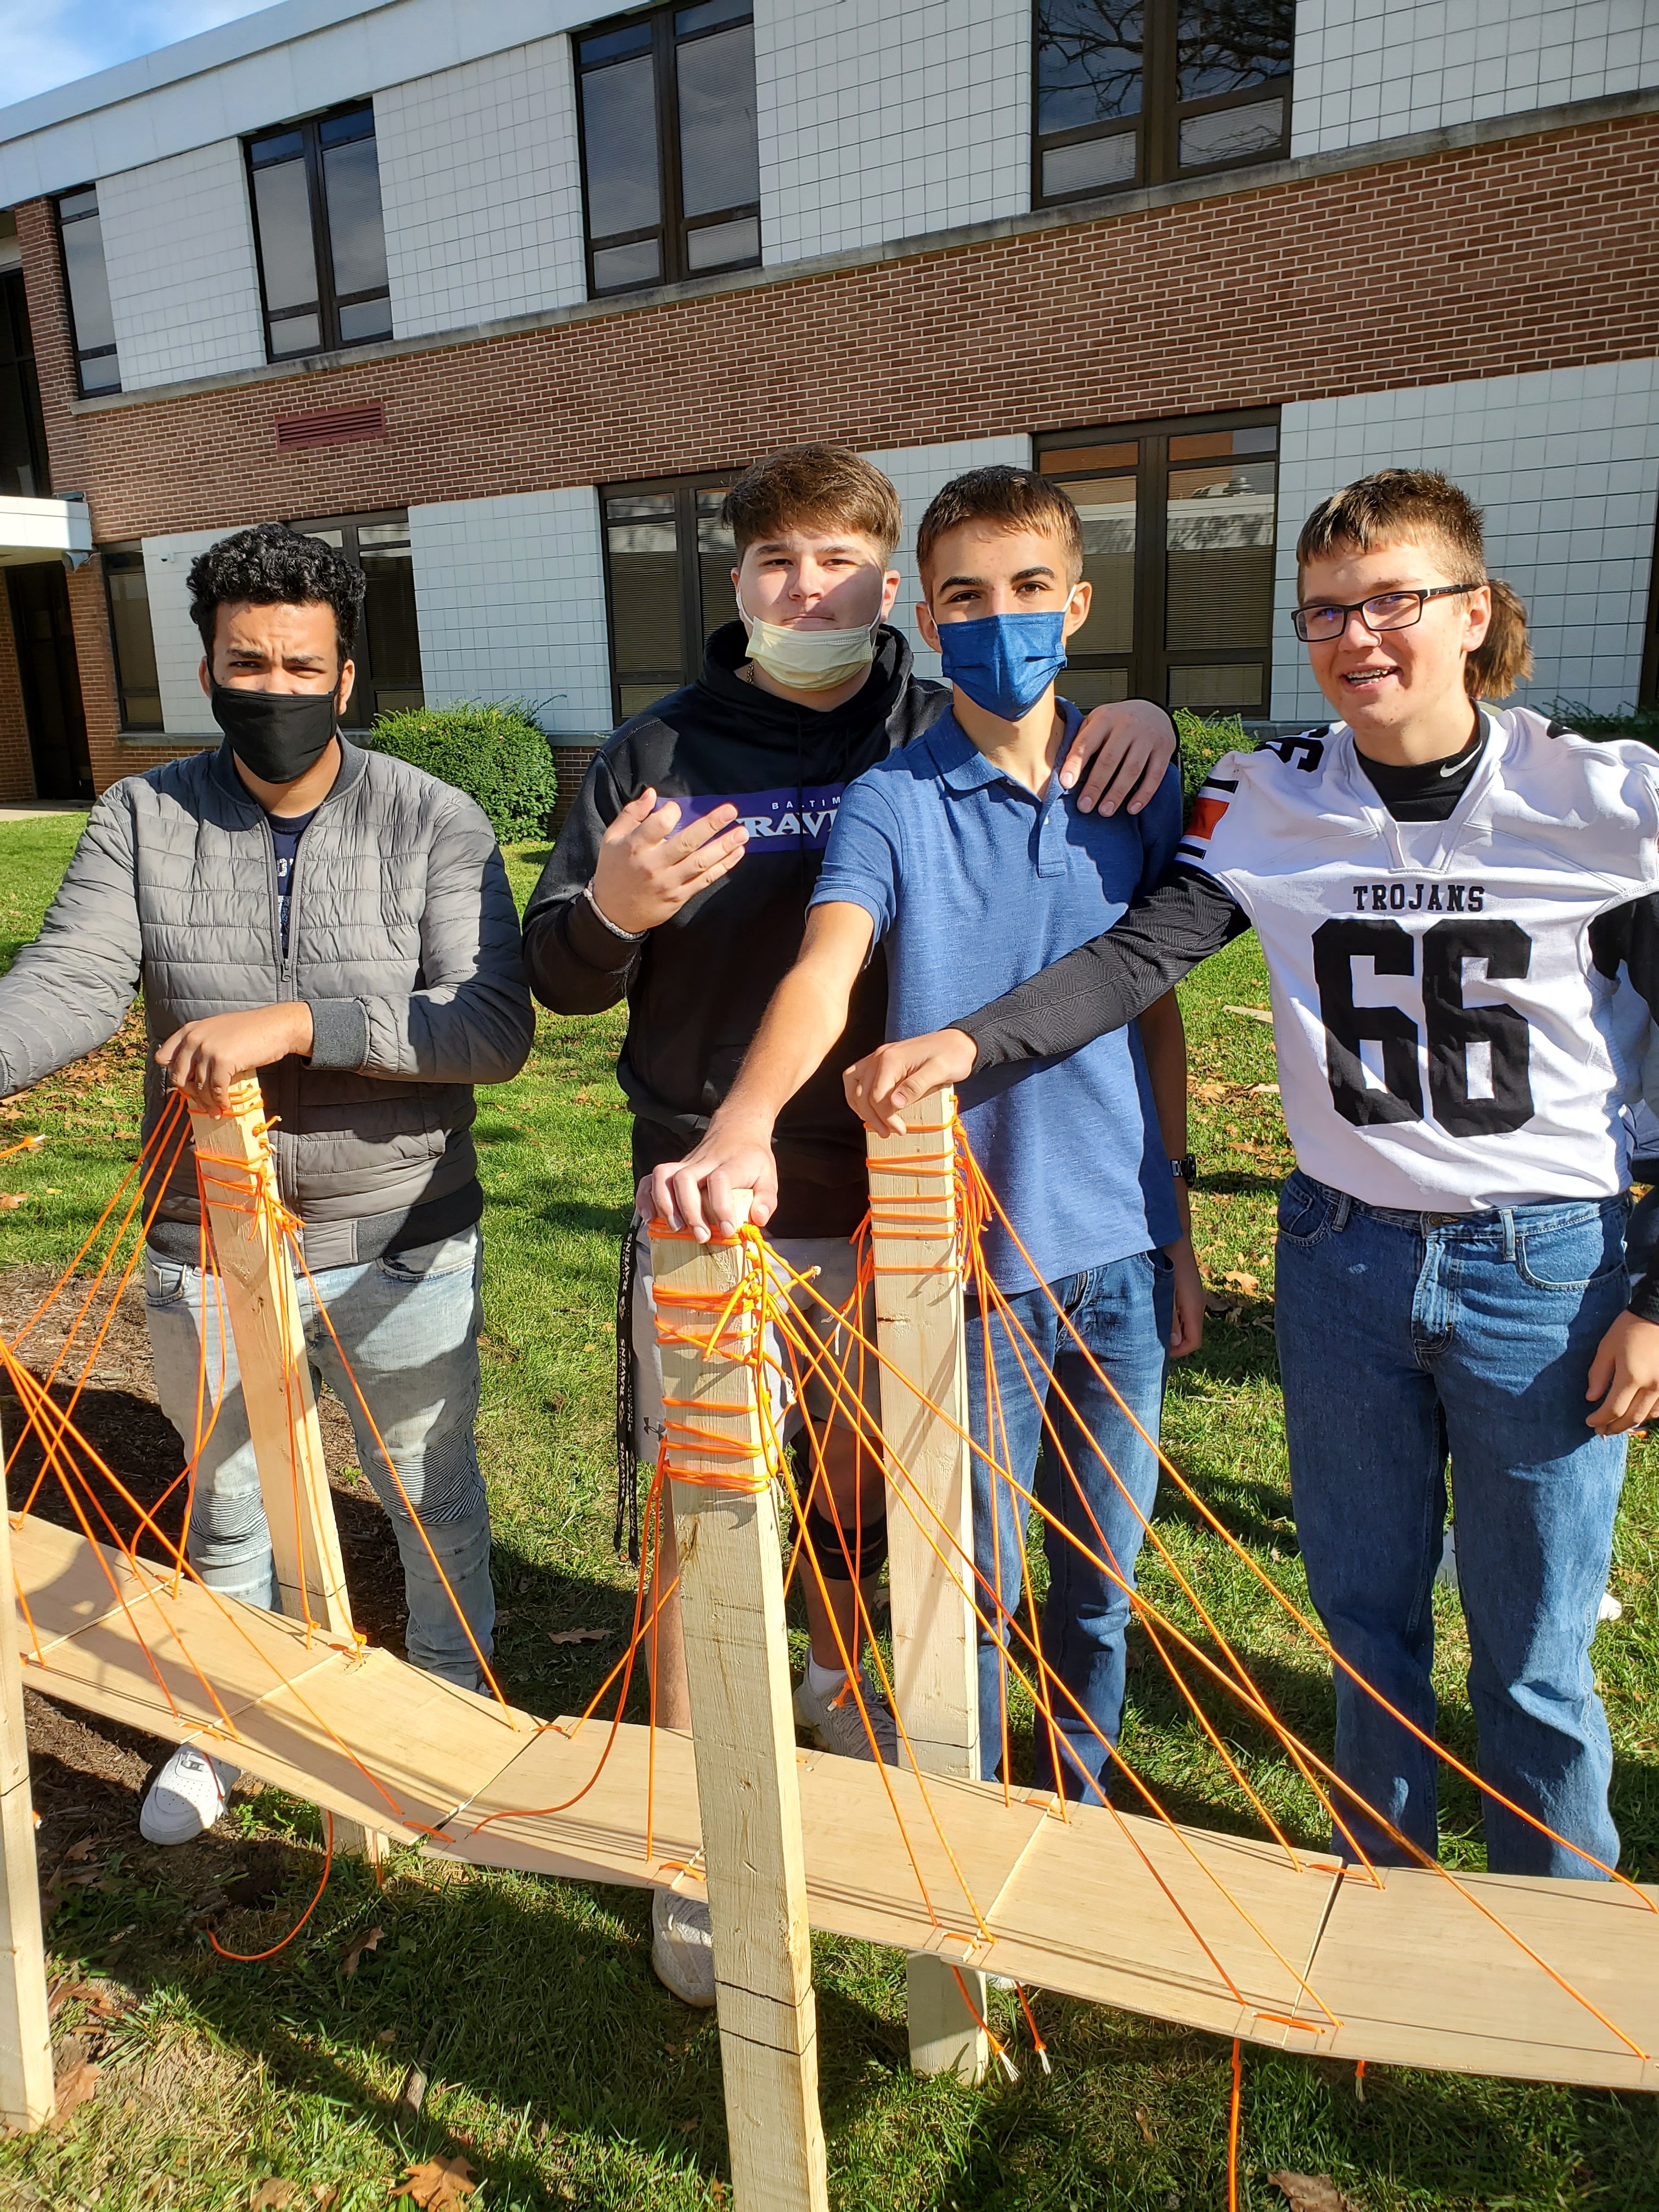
(1419,898)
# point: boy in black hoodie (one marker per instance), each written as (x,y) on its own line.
(681,880)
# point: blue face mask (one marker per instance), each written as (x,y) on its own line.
(1005,663)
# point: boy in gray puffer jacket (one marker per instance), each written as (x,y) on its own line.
(340,922)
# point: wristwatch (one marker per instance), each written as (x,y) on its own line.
(1185,1169)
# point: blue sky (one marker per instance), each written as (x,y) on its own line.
(47,42)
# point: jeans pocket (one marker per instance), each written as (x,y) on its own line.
(1570,1255)
(1304,1211)
(165,1283)
(427,1263)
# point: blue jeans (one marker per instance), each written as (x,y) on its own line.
(409,1327)
(1123,1313)
(1402,1337)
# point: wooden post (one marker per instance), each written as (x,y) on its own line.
(27,2098)
(239,1182)
(743,1733)
(930,1512)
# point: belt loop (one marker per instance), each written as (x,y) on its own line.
(1343,1207)
(1506,1214)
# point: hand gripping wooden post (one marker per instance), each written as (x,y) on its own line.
(743,1732)
(239,1182)
(26,2097)
(930,1514)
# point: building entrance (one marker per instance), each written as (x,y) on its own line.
(39,599)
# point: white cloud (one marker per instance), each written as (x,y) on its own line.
(50,42)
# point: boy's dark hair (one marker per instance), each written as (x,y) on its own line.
(1421,504)
(274,566)
(1008,499)
(812,488)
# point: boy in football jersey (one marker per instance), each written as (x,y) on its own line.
(1446,894)
(963,856)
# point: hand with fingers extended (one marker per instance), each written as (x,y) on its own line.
(1126,747)
(699,1192)
(648,867)
(885,1082)
(1625,1376)
(204,1058)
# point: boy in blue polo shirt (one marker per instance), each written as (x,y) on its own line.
(963,858)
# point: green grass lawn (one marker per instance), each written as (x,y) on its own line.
(560,2069)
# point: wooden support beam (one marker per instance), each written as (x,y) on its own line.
(239,1180)
(26,2097)
(743,1732)
(930,1513)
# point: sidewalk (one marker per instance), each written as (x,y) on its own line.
(29,810)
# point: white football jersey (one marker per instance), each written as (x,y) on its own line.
(1444,1040)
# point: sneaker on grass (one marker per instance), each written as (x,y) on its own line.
(835,1719)
(186,1797)
(682,1945)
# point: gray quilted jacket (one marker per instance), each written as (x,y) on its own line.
(402,940)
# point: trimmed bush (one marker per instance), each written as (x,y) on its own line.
(1204,739)
(1639,722)
(498,755)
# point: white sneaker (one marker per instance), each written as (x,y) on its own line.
(835,1721)
(682,1945)
(186,1797)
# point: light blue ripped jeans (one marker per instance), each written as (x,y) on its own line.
(409,1326)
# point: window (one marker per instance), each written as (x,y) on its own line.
(80,234)
(1134,92)
(1178,543)
(388,653)
(668,563)
(1649,694)
(322,242)
(136,683)
(670,152)
(23,472)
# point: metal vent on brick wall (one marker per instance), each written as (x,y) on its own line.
(330,426)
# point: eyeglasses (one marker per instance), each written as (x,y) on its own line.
(1388,611)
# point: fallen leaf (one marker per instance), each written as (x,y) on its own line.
(439,2184)
(1144,2123)
(577,1635)
(11,1200)
(1264,1090)
(385,2036)
(324,2196)
(1209,1091)
(81,1852)
(357,1947)
(74,2086)
(1310,2192)
(1251,1014)
(1237,1278)
(271,2195)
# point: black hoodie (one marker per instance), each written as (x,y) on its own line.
(697,984)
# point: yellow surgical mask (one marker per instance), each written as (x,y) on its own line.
(809,659)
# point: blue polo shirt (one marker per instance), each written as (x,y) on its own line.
(974,884)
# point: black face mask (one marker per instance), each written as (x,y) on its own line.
(276,735)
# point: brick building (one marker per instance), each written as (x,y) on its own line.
(501,297)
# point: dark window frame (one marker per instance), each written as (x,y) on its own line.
(1649,694)
(123,552)
(19,338)
(110,352)
(328,302)
(364,682)
(693,634)
(1149,659)
(673,226)
(1157,128)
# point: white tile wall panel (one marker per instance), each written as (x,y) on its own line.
(178,642)
(917,472)
(482,188)
(1373,69)
(184,284)
(1565,463)
(881,122)
(510,594)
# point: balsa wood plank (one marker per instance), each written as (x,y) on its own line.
(930,1519)
(743,1727)
(26,2081)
